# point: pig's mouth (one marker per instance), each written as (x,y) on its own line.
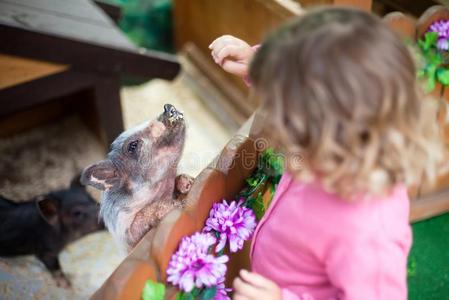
(171,116)
(173,121)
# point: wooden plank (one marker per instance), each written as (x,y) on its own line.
(429,206)
(16,70)
(28,119)
(87,57)
(432,14)
(404,25)
(362,4)
(34,92)
(237,98)
(29,18)
(212,97)
(82,10)
(109,109)
(415,7)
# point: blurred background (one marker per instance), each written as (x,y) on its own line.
(75,73)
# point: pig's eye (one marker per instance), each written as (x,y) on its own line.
(77,214)
(132,147)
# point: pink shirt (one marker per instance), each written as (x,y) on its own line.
(316,246)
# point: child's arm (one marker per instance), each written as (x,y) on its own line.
(232,54)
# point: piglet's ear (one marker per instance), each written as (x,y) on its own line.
(48,209)
(102,175)
(76,182)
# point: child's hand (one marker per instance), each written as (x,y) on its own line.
(232,54)
(254,286)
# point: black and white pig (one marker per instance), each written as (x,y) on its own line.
(138,177)
(44,225)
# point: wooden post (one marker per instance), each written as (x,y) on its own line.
(107,101)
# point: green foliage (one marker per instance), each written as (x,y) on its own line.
(443,76)
(202,294)
(435,65)
(147,23)
(268,171)
(208,294)
(153,291)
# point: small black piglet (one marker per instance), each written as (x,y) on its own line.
(46,224)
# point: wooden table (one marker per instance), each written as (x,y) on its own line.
(68,46)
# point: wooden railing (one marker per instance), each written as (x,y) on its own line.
(429,199)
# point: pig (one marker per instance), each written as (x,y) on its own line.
(139,177)
(44,225)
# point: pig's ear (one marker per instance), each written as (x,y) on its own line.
(102,175)
(48,209)
(76,182)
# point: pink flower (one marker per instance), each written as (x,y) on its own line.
(234,223)
(191,266)
(222,291)
(442,28)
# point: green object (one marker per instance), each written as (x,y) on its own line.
(269,170)
(434,62)
(153,291)
(443,76)
(184,296)
(148,23)
(209,293)
(258,206)
(428,264)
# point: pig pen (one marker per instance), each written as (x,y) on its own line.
(47,157)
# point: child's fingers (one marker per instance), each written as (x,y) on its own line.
(220,52)
(244,289)
(236,68)
(256,279)
(229,51)
(223,39)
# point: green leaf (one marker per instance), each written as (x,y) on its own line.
(209,293)
(430,39)
(431,83)
(153,291)
(443,76)
(431,74)
(259,207)
(434,58)
(185,296)
(195,292)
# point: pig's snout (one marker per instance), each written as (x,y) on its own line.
(171,114)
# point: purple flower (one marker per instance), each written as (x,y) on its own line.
(233,222)
(442,28)
(192,266)
(222,291)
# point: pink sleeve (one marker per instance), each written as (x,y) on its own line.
(246,78)
(369,267)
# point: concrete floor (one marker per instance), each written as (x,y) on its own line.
(58,151)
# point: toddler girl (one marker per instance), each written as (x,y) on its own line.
(338,88)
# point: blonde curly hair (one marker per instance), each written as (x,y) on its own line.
(339,88)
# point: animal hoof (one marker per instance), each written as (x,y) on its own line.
(183,183)
(61,280)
